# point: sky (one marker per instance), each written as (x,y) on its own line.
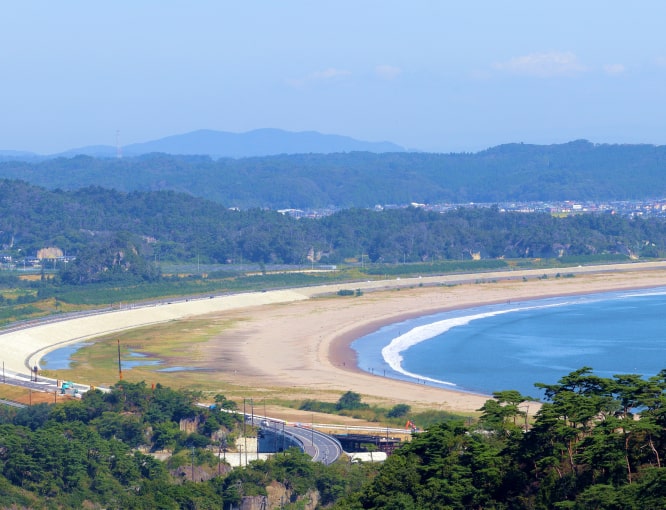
(429,75)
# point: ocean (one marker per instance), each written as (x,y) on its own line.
(516,344)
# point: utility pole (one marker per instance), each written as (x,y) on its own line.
(120,368)
(244,434)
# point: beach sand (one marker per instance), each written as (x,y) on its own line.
(297,341)
(304,346)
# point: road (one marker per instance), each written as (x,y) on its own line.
(321,447)
(28,381)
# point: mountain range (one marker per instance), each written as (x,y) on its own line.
(576,170)
(223,144)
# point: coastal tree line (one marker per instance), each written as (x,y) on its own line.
(595,443)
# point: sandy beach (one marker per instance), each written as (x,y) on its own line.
(305,345)
(298,340)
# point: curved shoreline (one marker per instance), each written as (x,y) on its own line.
(405,332)
(299,339)
(342,353)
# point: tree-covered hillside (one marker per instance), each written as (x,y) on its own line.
(516,172)
(170,226)
(596,443)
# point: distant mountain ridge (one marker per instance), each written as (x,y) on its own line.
(577,170)
(223,144)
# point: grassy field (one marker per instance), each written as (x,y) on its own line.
(28,397)
(167,343)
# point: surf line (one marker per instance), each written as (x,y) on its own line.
(392,353)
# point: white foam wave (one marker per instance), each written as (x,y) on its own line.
(392,353)
(659,292)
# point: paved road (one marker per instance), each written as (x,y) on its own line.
(27,380)
(44,384)
(321,447)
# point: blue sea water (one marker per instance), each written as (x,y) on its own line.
(514,345)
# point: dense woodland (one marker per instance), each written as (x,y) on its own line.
(168,226)
(595,443)
(515,172)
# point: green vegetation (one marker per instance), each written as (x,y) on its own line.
(587,448)
(345,292)
(595,442)
(398,411)
(98,453)
(350,404)
(116,236)
(95,452)
(129,247)
(578,170)
(123,241)
(448,266)
(52,296)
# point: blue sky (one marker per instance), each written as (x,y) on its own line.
(429,75)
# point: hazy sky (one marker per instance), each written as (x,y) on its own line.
(430,75)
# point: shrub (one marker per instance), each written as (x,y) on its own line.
(398,411)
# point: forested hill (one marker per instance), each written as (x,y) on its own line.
(165,225)
(516,172)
